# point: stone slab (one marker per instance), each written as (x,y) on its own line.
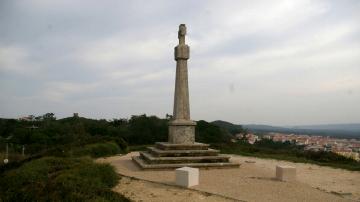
(145,166)
(285,173)
(187,176)
(171,146)
(172,153)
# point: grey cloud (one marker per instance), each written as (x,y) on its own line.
(283,59)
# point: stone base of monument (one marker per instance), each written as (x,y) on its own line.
(170,156)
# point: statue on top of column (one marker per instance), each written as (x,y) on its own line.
(182,33)
(182,50)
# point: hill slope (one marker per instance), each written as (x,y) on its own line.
(336,130)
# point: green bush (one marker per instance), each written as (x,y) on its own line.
(60,179)
(98,150)
(93,150)
(210,133)
(104,139)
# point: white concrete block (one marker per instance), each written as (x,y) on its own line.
(187,177)
(285,173)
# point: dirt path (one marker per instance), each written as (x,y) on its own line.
(253,181)
(140,190)
(332,180)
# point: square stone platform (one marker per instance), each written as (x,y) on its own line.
(170,156)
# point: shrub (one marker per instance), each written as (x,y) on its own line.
(98,150)
(210,133)
(60,179)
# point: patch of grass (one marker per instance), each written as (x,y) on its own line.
(60,179)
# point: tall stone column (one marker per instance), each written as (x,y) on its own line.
(181,128)
(181,149)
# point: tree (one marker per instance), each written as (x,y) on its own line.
(169,116)
(210,133)
(49,117)
(31,117)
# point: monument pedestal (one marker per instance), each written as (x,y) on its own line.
(182,131)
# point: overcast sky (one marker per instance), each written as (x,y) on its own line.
(265,62)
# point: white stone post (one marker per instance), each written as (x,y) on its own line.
(187,177)
(285,173)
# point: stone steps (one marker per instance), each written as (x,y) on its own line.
(144,165)
(165,155)
(178,153)
(149,158)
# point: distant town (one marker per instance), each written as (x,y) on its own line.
(345,147)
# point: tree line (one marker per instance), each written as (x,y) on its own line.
(46,131)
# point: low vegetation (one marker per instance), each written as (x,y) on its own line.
(60,179)
(98,150)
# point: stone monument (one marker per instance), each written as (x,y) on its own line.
(181,128)
(181,149)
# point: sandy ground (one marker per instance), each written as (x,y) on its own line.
(253,181)
(140,190)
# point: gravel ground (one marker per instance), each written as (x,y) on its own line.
(253,181)
(140,190)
